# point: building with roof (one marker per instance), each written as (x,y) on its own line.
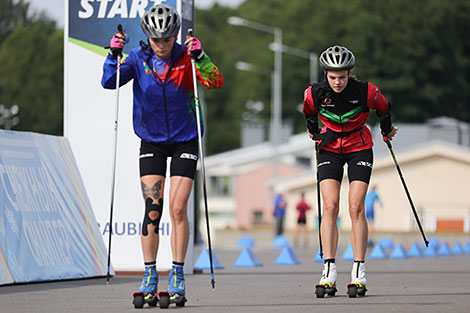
(434,158)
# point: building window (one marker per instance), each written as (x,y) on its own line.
(258,217)
(220,186)
(303,161)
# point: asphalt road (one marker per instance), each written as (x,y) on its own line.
(434,284)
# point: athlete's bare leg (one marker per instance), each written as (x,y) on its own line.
(180,189)
(359,231)
(152,187)
(329,230)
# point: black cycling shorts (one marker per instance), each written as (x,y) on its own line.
(330,165)
(184,156)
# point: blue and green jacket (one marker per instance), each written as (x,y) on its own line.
(164,106)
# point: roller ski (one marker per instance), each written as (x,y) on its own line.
(357,287)
(147,293)
(327,284)
(176,289)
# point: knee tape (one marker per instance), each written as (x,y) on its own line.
(150,207)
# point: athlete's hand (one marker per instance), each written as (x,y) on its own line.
(194,47)
(117,43)
(391,134)
(312,127)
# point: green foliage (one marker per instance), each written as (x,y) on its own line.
(31,75)
(12,13)
(415,51)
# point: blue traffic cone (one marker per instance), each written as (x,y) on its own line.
(247,258)
(433,242)
(348,254)
(444,249)
(203,261)
(377,253)
(317,257)
(246,242)
(466,248)
(429,252)
(414,251)
(287,257)
(457,248)
(386,243)
(280,241)
(398,252)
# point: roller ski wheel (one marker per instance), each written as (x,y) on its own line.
(167,298)
(141,298)
(321,290)
(355,290)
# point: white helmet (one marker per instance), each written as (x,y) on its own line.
(337,58)
(161,21)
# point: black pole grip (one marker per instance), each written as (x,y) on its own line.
(117,51)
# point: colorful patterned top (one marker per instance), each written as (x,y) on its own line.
(164,104)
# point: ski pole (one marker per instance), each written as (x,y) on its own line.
(318,201)
(389,145)
(203,171)
(118,54)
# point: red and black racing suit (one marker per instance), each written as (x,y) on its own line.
(345,138)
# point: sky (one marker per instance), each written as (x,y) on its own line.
(55,8)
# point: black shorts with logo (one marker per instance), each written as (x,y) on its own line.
(153,156)
(330,165)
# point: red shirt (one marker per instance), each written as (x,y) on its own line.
(302,207)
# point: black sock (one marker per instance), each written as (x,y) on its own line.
(178,263)
(150,263)
(332,260)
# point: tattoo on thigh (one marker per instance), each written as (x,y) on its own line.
(151,191)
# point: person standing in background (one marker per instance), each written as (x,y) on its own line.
(280,205)
(371,198)
(302,208)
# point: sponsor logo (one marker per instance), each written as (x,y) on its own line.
(147,155)
(354,101)
(327,103)
(324,163)
(188,156)
(364,163)
(111,9)
(130,228)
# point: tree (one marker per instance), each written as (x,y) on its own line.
(416,52)
(12,13)
(31,75)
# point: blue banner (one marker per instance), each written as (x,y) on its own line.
(48,230)
(95,22)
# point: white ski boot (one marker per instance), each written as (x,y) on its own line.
(357,287)
(327,284)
